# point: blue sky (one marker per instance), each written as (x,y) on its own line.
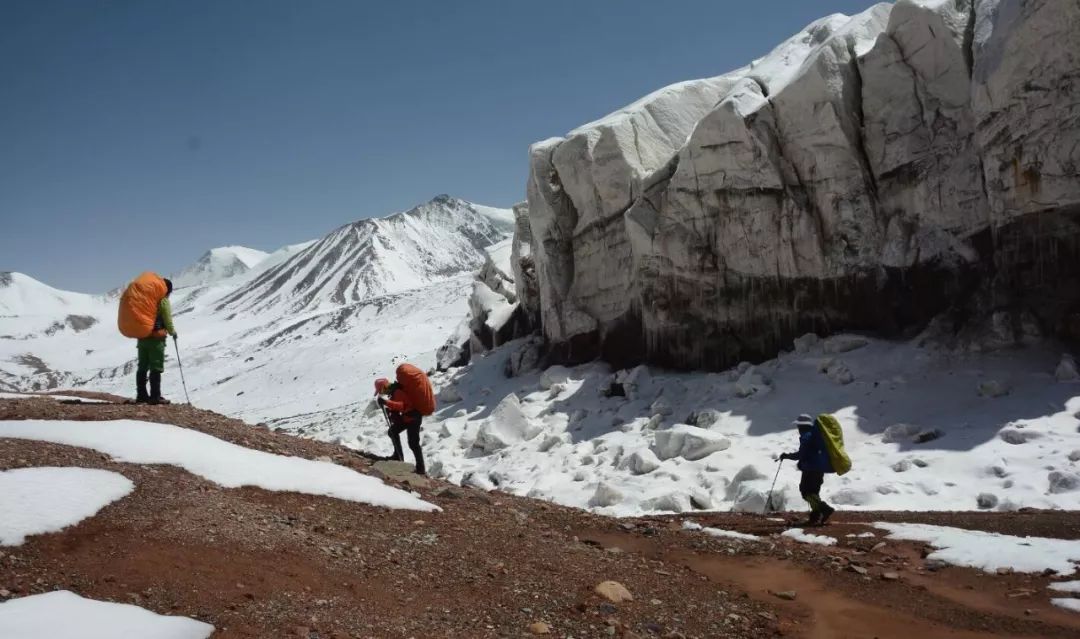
(135,135)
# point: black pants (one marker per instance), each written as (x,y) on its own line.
(811,482)
(412,434)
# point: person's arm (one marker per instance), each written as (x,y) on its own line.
(797,455)
(165,310)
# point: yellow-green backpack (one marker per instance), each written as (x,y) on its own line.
(833,435)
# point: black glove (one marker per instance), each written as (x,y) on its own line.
(784,456)
(381,401)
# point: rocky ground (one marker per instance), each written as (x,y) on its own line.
(263,564)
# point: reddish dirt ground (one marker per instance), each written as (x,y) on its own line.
(264,564)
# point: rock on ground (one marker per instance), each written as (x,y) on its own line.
(613,591)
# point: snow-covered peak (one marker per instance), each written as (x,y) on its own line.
(22,295)
(218,264)
(433,241)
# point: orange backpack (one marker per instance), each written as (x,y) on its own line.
(416,384)
(139,305)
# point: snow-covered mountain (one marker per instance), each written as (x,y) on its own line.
(434,241)
(21,296)
(219,264)
(300,330)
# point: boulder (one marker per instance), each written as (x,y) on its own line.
(554,375)
(1063,482)
(613,591)
(806,343)
(746,473)
(506,425)
(688,442)
(637,383)
(993,388)
(1066,370)
(449,394)
(986,501)
(704,418)
(751,496)
(751,384)
(523,358)
(844,343)
(678,502)
(605,495)
(909,433)
(1017,436)
(838,371)
(640,462)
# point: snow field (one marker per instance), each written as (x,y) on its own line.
(65,615)
(44,500)
(218,461)
(920,435)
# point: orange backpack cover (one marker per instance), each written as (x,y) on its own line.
(415,382)
(139,305)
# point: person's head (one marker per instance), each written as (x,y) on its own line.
(381,385)
(804,423)
(168,287)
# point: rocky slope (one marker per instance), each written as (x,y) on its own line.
(258,563)
(869,173)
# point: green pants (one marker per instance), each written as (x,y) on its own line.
(152,354)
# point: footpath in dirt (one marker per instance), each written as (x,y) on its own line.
(256,563)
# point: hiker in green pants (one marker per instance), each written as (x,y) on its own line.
(152,353)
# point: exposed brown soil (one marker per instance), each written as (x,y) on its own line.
(265,564)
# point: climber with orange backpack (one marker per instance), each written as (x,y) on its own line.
(405,403)
(146,315)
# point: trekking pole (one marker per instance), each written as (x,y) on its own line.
(768,500)
(181,365)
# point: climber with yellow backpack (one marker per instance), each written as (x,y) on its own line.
(821,451)
(404,404)
(146,315)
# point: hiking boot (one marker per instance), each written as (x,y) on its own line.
(814,519)
(420,470)
(826,512)
(155,389)
(141,396)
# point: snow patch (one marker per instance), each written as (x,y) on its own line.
(1065,586)
(990,551)
(44,500)
(719,532)
(803,537)
(218,461)
(1068,604)
(65,615)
